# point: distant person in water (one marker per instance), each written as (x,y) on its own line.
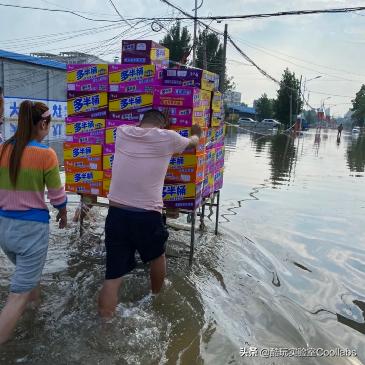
(134,221)
(26,167)
(339,130)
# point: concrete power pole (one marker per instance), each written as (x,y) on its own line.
(195,28)
(224,59)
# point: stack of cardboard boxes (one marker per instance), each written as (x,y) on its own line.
(103,97)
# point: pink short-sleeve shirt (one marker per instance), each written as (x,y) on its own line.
(141,159)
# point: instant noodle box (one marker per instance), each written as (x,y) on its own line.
(217,102)
(124,102)
(184,196)
(92,188)
(89,105)
(174,96)
(93,137)
(186,117)
(186,132)
(144,52)
(111,130)
(106,187)
(108,159)
(219,157)
(124,78)
(189,77)
(210,160)
(208,185)
(87,77)
(78,150)
(85,163)
(75,125)
(217,119)
(134,115)
(84,177)
(218,179)
(185,169)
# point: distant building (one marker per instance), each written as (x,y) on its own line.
(241,111)
(232,98)
(69,57)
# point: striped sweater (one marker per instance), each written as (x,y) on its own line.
(38,168)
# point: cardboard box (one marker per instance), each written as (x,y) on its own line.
(210,160)
(109,148)
(217,119)
(93,137)
(183,161)
(134,115)
(189,77)
(144,52)
(124,78)
(218,134)
(186,117)
(108,159)
(90,105)
(217,101)
(184,97)
(87,77)
(93,188)
(184,196)
(75,125)
(218,179)
(84,177)
(208,185)
(122,102)
(111,130)
(219,160)
(193,174)
(106,187)
(107,174)
(73,151)
(82,164)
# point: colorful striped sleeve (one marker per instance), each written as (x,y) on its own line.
(56,191)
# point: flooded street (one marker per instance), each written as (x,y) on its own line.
(286,271)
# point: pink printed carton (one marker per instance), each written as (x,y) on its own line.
(174,96)
(208,185)
(92,137)
(87,77)
(186,117)
(125,78)
(125,102)
(219,157)
(134,116)
(218,179)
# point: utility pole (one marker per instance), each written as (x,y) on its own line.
(224,59)
(299,98)
(291,109)
(195,28)
(205,60)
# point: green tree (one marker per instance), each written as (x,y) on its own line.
(288,98)
(209,54)
(358,107)
(264,107)
(310,116)
(178,41)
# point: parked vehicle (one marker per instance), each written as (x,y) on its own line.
(356,130)
(247,122)
(269,123)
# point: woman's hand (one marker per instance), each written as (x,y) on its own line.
(62,218)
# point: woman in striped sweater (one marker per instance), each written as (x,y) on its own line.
(26,167)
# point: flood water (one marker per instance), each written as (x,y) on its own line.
(287,270)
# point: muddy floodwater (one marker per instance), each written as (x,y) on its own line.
(287,270)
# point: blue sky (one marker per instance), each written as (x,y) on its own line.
(328,45)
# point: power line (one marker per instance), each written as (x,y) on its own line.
(59,11)
(120,15)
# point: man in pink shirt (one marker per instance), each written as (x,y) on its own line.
(134,221)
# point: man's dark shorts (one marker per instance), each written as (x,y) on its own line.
(128,231)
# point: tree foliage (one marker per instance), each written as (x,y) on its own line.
(178,41)
(264,107)
(358,107)
(288,95)
(209,56)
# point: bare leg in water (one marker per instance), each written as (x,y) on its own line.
(13,310)
(108,297)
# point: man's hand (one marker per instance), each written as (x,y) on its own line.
(62,218)
(196,130)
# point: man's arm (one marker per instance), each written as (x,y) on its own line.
(196,133)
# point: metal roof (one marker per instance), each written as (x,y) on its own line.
(29,59)
(242,109)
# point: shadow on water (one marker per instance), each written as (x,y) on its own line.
(355,155)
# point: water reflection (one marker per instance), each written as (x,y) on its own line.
(356,155)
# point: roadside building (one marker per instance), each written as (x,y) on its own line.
(38,79)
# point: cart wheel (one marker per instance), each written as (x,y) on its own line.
(189,217)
